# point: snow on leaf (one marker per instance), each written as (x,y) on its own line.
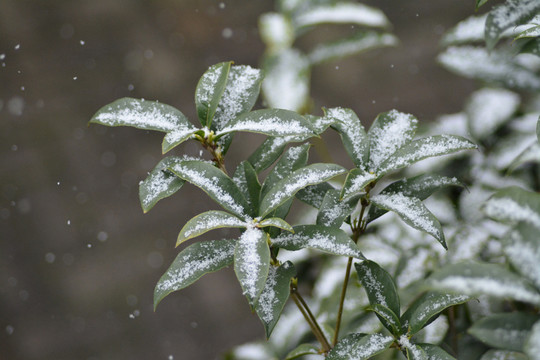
(252,263)
(522,248)
(209,90)
(387,317)
(159,184)
(532,344)
(468,30)
(488,109)
(333,211)
(424,148)
(414,352)
(276,31)
(276,222)
(389,132)
(285,189)
(177,136)
(192,263)
(342,13)
(514,204)
(360,346)
(268,152)
(475,279)
(352,133)
(331,240)
(435,352)
(505,355)
(208,221)
(413,212)
(356,182)
(314,194)
(379,285)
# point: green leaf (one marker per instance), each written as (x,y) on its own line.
(533,31)
(274,295)
(215,183)
(388,318)
(209,91)
(507,15)
(538,129)
(424,308)
(421,187)
(413,212)
(355,44)
(286,188)
(507,331)
(522,248)
(342,13)
(245,178)
(331,240)
(301,350)
(424,148)
(293,159)
(268,152)
(531,47)
(159,184)
(360,346)
(434,352)
(379,285)
(252,263)
(356,182)
(333,211)
(532,344)
(475,279)
(389,132)
(192,263)
(176,137)
(353,135)
(505,355)
(272,122)
(413,351)
(480,3)
(276,222)
(207,221)
(514,204)
(314,194)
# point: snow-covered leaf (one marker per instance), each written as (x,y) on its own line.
(252,263)
(506,331)
(272,122)
(434,352)
(331,240)
(387,317)
(314,194)
(379,285)
(514,204)
(192,263)
(276,222)
(413,212)
(468,30)
(533,31)
(207,221)
(176,137)
(355,44)
(159,184)
(356,182)
(342,13)
(360,346)
(427,306)
(389,132)
(421,187)
(286,188)
(245,178)
(215,183)
(286,81)
(505,355)
(530,155)
(209,91)
(334,211)
(276,31)
(475,279)
(413,351)
(424,148)
(493,67)
(522,248)
(352,133)
(532,344)
(301,350)
(538,129)
(507,15)
(268,152)
(274,295)
(488,109)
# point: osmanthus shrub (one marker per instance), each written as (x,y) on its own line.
(259,207)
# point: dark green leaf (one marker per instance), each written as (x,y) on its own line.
(192,263)
(356,182)
(514,204)
(388,318)
(252,263)
(334,211)
(531,46)
(314,195)
(286,188)
(428,305)
(507,331)
(274,295)
(507,15)
(215,183)
(505,355)
(379,285)
(331,240)
(276,222)
(413,212)
(434,352)
(352,133)
(413,351)
(159,184)
(176,137)
(360,346)
(422,149)
(389,132)
(207,221)
(209,91)
(301,350)
(268,152)
(245,178)
(475,279)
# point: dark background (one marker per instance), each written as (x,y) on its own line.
(78,259)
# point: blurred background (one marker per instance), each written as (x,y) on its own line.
(78,258)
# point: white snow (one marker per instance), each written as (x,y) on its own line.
(343,13)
